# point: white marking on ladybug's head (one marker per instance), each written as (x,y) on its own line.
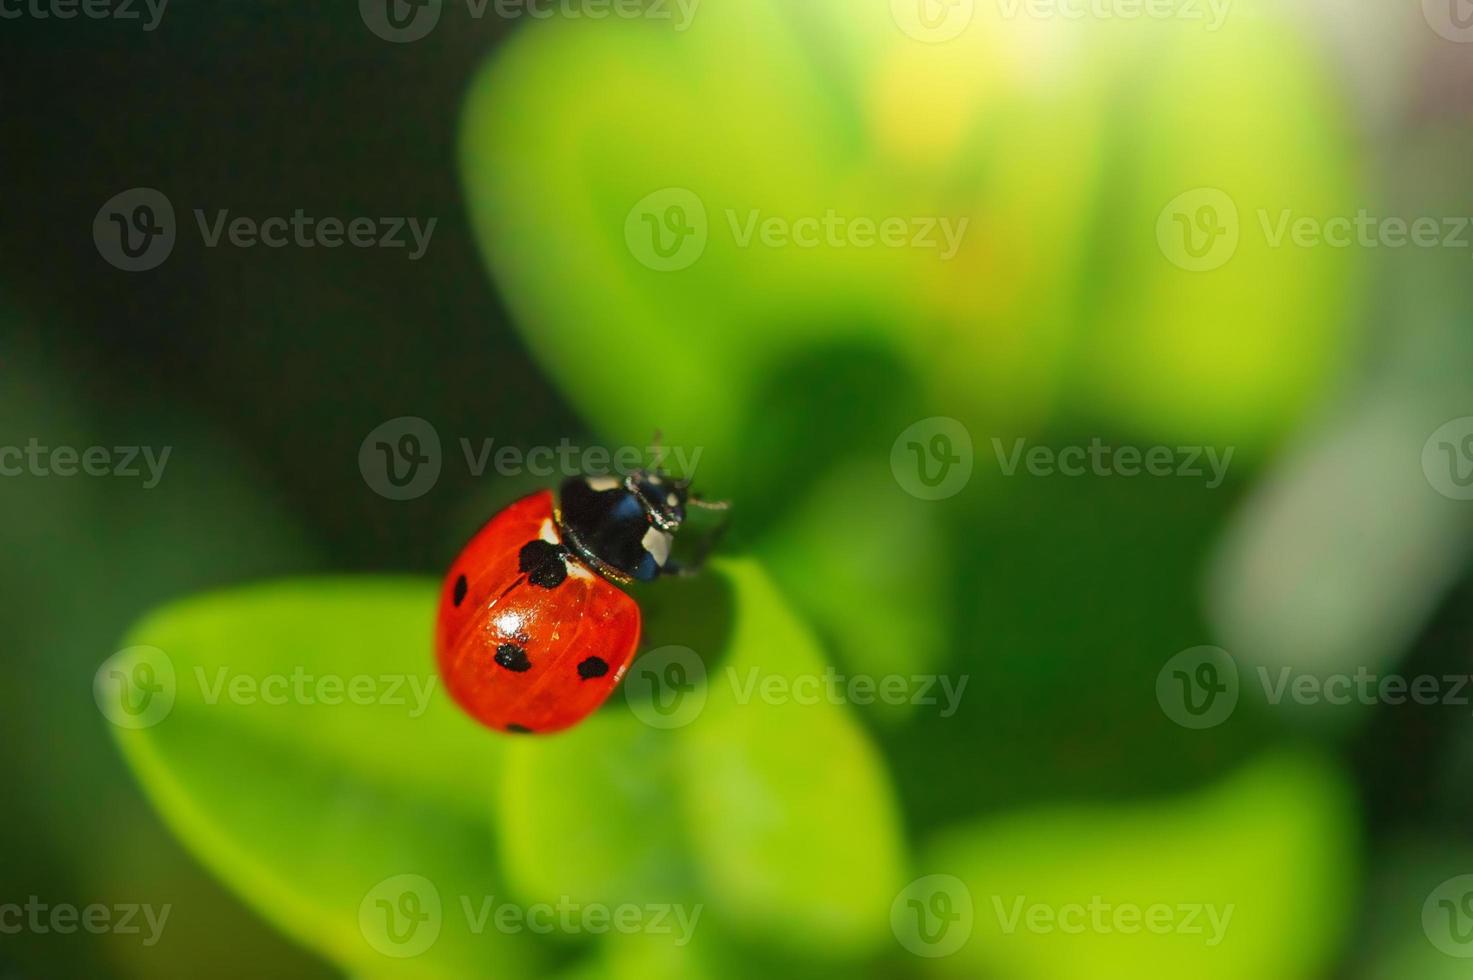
(548,532)
(602,483)
(576,569)
(657,543)
(671,500)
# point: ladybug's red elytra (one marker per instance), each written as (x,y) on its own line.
(533,632)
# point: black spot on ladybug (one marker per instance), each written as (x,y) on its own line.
(460,587)
(519,729)
(513,657)
(542,563)
(593,667)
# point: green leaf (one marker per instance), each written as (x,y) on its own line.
(858,537)
(311,761)
(772,817)
(1063,892)
(787,802)
(591,814)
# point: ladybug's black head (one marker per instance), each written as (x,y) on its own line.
(623,526)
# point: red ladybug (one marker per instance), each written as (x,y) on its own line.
(532,633)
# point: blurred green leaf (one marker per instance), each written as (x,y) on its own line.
(792,816)
(1407,930)
(1273,850)
(857,544)
(1059,293)
(772,814)
(306,797)
(592,814)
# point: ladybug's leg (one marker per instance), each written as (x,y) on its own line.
(705,504)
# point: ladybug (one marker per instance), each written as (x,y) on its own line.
(533,632)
